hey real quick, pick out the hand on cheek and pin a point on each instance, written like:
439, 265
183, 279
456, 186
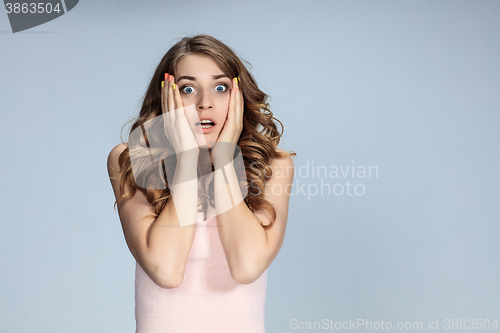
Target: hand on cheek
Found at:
233, 125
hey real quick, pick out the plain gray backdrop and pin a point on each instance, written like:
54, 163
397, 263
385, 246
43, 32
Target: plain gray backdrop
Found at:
409, 88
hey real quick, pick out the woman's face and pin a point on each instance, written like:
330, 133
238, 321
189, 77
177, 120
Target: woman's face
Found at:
203, 85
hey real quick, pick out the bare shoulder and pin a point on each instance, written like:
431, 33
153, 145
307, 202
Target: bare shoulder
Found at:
283, 167
114, 167
282, 161
113, 156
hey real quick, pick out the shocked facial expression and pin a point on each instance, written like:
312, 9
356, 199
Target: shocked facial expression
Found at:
202, 84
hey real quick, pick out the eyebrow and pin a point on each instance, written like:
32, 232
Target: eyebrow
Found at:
192, 78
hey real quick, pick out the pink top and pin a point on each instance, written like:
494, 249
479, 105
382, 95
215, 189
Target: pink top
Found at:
208, 300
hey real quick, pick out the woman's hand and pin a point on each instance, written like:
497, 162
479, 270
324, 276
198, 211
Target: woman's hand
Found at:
176, 125
233, 126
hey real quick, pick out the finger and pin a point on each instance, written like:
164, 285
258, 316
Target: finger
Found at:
179, 111
164, 107
170, 98
178, 98
239, 102
232, 100
163, 92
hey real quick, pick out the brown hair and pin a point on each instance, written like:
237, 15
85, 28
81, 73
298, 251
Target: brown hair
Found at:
258, 140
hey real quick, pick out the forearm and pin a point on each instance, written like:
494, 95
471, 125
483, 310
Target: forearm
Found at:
242, 235
171, 235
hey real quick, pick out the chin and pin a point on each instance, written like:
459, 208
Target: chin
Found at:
211, 137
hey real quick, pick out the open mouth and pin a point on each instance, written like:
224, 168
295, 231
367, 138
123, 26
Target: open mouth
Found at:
205, 123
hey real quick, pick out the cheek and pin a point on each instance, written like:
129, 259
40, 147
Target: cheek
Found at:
225, 102
222, 106
185, 100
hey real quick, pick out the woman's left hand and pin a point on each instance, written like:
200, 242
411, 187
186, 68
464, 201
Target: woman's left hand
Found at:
233, 125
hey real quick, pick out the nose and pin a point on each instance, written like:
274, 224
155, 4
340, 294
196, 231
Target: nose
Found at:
205, 102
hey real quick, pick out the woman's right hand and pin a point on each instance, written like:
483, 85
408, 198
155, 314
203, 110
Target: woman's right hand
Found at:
176, 125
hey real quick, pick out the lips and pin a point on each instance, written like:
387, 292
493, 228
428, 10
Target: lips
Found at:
205, 123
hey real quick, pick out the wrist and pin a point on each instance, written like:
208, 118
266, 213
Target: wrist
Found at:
223, 152
222, 159
190, 155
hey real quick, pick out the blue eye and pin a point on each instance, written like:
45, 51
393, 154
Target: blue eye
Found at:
186, 90
224, 87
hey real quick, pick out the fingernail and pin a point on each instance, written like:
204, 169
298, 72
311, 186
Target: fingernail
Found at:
239, 80
236, 80
169, 78
166, 76
174, 86
162, 84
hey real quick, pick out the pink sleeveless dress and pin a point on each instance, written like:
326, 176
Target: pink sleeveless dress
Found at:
208, 300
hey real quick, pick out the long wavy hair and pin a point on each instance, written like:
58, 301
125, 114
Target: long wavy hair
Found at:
258, 140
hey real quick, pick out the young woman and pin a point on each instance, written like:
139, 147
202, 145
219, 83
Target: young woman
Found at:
203, 247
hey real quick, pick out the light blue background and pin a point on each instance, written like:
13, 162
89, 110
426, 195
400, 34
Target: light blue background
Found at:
410, 87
